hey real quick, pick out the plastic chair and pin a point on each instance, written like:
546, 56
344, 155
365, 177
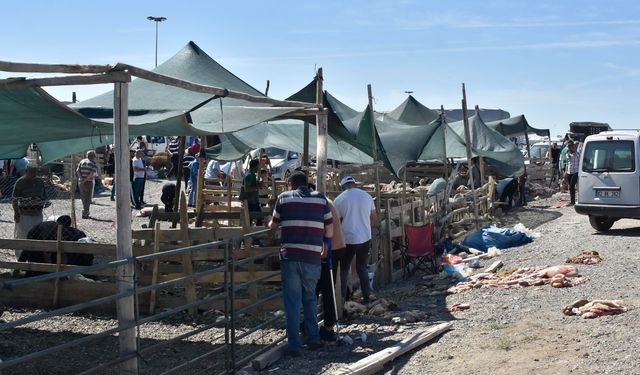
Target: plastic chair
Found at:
419, 250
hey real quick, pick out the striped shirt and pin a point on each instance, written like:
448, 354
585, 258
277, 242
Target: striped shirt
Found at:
86, 167
573, 161
303, 216
187, 159
174, 146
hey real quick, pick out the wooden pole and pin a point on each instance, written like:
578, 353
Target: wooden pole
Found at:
187, 263
443, 127
56, 285
156, 265
305, 147
375, 362
17, 83
125, 277
467, 140
526, 139
74, 184
374, 147
321, 138
480, 158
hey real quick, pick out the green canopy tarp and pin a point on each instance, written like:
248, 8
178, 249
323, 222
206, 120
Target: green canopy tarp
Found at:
207, 115
283, 134
516, 126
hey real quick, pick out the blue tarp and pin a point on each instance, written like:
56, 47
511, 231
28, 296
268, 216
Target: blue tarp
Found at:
490, 236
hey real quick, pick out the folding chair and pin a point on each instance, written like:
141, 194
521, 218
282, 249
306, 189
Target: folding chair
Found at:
418, 250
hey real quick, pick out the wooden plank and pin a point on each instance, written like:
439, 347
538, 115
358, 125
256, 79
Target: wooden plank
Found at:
154, 272
50, 267
375, 362
218, 277
56, 282
66, 246
270, 357
187, 265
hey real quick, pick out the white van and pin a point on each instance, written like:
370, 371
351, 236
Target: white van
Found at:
609, 178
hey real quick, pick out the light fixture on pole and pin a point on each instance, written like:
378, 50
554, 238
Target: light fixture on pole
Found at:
408, 92
157, 20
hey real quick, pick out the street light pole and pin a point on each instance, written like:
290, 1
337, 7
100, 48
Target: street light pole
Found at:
157, 20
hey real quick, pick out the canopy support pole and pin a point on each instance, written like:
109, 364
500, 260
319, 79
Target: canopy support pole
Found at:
321, 140
305, 153
374, 147
526, 139
467, 140
74, 184
202, 165
125, 274
443, 126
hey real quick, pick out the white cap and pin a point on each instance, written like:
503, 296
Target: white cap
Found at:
347, 180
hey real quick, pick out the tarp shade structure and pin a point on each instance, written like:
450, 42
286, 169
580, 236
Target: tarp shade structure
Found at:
413, 112
515, 126
154, 102
283, 134
31, 115
502, 154
487, 114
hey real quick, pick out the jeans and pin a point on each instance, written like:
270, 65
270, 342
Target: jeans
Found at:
299, 282
361, 252
138, 186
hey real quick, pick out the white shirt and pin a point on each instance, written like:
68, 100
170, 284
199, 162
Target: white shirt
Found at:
355, 206
138, 163
211, 167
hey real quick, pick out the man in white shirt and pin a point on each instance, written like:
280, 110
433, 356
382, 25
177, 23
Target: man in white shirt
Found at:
138, 178
358, 213
213, 170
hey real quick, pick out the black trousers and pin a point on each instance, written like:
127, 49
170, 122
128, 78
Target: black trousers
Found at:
573, 180
344, 258
324, 288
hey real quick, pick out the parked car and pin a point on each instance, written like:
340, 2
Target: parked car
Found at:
609, 178
283, 162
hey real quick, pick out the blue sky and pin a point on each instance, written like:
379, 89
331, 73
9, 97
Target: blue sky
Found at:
553, 61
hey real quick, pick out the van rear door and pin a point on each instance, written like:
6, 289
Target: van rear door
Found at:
608, 172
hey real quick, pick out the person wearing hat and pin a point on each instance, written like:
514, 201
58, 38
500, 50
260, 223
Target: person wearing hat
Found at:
86, 173
358, 213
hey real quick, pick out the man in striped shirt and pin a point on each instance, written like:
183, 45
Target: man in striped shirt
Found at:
173, 149
307, 224
86, 173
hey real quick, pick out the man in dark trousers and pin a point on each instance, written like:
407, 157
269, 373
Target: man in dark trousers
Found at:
307, 224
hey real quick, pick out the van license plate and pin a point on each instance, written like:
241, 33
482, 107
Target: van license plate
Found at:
607, 194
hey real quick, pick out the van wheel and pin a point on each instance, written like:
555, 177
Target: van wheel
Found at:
601, 223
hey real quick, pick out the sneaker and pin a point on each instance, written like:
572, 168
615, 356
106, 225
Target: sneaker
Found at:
328, 334
313, 345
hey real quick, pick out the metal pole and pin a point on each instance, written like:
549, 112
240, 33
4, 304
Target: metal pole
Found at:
374, 147
125, 273
305, 147
443, 127
156, 44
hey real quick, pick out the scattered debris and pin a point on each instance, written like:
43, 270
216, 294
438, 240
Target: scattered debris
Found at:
595, 308
459, 307
522, 277
585, 257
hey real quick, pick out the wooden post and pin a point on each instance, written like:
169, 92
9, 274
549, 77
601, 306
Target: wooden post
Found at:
125, 277
389, 253
526, 139
374, 147
56, 285
156, 264
480, 158
467, 140
187, 265
74, 184
179, 177
321, 138
443, 127
305, 147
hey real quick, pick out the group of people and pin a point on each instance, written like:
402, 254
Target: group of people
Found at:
565, 164
317, 234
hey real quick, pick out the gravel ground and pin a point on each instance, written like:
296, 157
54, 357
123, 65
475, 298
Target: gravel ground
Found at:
505, 331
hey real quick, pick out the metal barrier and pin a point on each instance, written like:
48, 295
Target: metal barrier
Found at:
227, 345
